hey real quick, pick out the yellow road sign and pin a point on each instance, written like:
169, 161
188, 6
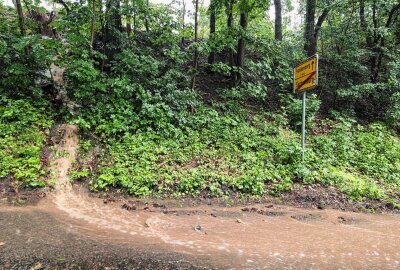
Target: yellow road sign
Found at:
305, 75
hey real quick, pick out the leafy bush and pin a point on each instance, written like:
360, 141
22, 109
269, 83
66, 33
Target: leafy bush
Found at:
21, 139
293, 108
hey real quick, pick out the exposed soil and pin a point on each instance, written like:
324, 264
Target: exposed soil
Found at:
70, 229
14, 193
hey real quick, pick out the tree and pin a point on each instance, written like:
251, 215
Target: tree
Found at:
312, 29
241, 45
20, 14
196, 39
183, 15
229, 12
146, 18
278, 19
374, 36
93, 26
212, 11
245, 8
66, 7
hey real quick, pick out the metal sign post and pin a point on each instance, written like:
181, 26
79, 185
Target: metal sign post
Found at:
305, 77
303, 126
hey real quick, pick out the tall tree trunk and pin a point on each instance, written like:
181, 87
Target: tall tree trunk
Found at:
134, 22
183, 23
146, 18
278, 19
117, 15
21, 24
241, 46
211, 57
311, 30
374, 48
310, 45
231, 56
379, 40
113, 23
363, 23
196, 39
93, 27
128, 16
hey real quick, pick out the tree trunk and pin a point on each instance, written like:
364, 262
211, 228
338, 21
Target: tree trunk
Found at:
196, 39
374, 46
363, 23
211, 57
113, 23
146, 19
231, 57
117, 15
311, 30
310, 45
93, 27
379, 40
128, 16
183, 23
134, 22
278, 19
21, 24
241, 46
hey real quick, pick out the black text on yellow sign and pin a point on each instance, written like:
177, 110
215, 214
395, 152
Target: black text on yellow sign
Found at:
305, 75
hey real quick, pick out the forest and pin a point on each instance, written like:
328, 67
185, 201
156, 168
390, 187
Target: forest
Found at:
190, 98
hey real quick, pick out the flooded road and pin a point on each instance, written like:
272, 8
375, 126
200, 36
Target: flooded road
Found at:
71, 228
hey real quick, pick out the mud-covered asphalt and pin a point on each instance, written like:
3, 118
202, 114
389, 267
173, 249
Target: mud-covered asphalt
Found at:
36, 240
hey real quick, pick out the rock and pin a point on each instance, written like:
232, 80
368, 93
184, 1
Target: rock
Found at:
321, 205
239, 221
157, 205
197, 228
128, 207
37, 266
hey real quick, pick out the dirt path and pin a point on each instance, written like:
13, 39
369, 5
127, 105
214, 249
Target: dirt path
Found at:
70, 229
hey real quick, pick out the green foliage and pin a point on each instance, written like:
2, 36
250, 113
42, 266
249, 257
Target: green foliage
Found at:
21, 139
246, 91
292, 107
225, 153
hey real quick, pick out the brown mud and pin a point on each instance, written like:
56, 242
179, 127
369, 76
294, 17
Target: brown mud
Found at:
70, 229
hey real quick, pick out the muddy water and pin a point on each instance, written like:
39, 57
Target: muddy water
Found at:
261, 237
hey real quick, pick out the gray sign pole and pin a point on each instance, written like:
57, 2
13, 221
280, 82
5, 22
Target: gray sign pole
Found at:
303, 126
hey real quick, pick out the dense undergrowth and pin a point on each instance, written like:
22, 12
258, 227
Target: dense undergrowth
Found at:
22, 135
221, 154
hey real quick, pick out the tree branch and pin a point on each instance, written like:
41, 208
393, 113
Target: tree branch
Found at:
392, 13
61, 2
321, 20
